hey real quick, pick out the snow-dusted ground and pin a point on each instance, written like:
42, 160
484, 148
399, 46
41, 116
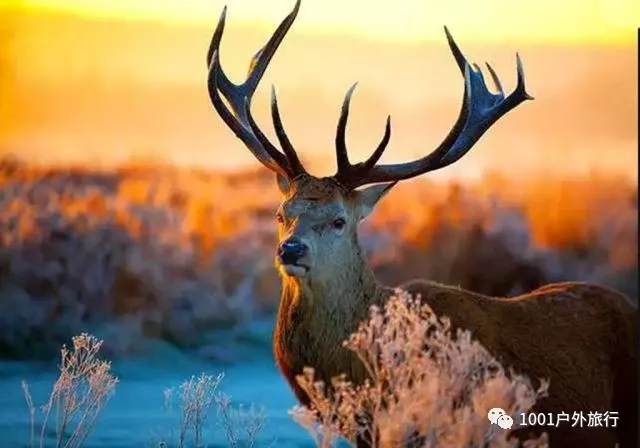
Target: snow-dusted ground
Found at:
135, 416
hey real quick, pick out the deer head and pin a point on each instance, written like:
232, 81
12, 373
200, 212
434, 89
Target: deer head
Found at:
318, 217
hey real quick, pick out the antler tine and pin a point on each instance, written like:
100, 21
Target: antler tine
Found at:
373, 159
461, 61
239, 119
267, 154
285, 143
342, 156
480, 110
348, 174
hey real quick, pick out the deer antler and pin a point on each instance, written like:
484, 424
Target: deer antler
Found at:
480, 109
239, 119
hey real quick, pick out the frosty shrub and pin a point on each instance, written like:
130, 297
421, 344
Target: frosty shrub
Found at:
85, 385
198, 398
82, 390
426, 388
146, 252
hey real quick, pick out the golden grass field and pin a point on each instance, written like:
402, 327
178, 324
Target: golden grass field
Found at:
172, 252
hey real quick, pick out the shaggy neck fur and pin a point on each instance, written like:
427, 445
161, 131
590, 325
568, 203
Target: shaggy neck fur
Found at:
342, 294
317, 314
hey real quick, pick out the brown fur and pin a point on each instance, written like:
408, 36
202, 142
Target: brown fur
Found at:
581, 337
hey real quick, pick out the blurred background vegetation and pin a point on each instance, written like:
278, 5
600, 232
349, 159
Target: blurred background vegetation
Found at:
145, 252
128, 209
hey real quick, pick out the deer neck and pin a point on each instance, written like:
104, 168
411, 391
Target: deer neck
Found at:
343, 295
316, 315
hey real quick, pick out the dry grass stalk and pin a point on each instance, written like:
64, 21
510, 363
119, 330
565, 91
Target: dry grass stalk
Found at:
197, 397
427, 388
82, 390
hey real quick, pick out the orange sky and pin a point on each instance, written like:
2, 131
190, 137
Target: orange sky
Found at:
102, 85
405, 20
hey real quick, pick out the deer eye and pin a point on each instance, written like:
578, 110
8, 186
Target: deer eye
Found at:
338, 223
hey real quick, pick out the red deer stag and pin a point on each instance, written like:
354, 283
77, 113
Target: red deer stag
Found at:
580, 336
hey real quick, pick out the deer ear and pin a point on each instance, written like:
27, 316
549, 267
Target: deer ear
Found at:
366, 199
283, 184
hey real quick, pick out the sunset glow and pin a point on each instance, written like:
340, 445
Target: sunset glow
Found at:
403, 20
105, 81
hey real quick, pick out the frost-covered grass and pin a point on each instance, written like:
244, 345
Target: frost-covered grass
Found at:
85, 385
83, 388
427, 388
155, 252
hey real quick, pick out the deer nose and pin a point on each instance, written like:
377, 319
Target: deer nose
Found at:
291, 250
